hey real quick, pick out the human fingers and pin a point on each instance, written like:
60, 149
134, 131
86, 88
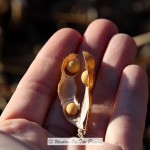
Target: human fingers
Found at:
38, 87
95, 40
127, 123
120, 52
8, 142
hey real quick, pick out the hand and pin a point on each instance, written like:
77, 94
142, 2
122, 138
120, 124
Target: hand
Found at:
119, 98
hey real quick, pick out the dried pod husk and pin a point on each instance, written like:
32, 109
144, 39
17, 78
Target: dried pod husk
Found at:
67, 89
87, 101
67, 92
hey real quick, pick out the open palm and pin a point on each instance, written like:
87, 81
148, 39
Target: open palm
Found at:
119, 98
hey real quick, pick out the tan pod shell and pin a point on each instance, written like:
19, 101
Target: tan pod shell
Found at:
67, 89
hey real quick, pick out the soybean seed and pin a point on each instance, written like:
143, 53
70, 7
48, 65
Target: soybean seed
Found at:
72, 109
84, 77
73, 66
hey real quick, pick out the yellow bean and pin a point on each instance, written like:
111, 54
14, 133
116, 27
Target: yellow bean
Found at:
73, 66
84, 77
72, 109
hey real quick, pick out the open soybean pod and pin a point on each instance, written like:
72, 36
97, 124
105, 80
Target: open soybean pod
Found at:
87, 77
67, 88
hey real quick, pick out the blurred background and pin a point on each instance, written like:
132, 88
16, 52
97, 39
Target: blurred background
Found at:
25, 25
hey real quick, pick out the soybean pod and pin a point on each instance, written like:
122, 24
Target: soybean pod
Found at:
75, 113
